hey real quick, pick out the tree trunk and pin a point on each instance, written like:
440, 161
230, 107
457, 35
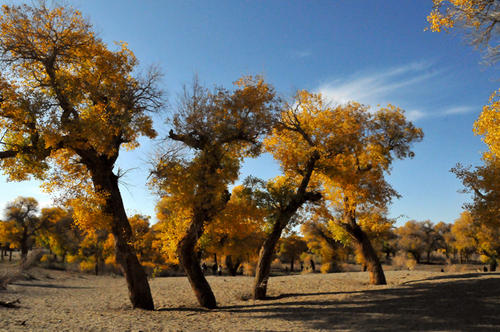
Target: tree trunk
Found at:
191, 264
267, 250
291, 264
264, 263
233, 268
137, 282
96, 267
364, 246
493, 265
24, 245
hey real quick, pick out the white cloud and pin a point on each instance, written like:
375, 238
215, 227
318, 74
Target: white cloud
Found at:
415, 115
374, 88
395, 85
460, 110
299, 54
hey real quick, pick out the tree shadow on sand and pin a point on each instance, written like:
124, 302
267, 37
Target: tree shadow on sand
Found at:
48, 285
452, 276
457, 304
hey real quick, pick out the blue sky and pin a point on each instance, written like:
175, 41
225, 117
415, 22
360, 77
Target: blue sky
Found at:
370, 51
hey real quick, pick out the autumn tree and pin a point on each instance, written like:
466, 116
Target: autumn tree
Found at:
473, 236
323, 243
445, 242
60, 233
23, 214
237, 232
484, 210
354, 183
217, 129
483, 183
94, 251
144, 239
431, 238
411, 239
290, 249
68, 104
488, 125
281, 198
479, 18
302, 142
7, 232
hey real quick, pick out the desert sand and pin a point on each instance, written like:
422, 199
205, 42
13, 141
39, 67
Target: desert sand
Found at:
412, 300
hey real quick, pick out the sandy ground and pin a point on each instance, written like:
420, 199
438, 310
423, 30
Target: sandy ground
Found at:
412, 301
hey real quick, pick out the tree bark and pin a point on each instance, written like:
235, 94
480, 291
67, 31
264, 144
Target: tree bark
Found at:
291, 264
191, 263
137, 282
377, 276
264, 263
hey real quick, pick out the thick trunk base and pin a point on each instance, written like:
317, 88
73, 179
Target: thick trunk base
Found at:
199, 283
137, 281
377, 276
264, 264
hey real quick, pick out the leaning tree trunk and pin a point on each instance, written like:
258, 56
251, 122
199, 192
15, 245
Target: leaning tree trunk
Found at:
267, 249
137, 281
264, 264
364, 246
191, 264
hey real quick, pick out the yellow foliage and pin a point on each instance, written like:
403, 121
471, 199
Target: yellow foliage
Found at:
237, 230
173, 220
446, 13
68, 104
488, 125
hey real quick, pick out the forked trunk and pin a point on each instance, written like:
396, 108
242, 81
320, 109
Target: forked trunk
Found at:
137, 281
264, 264
191, 264
377, 276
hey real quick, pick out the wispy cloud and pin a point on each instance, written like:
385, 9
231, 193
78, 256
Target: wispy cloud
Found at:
375, 87
459, 110
299, 54
399, 85
414, 115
